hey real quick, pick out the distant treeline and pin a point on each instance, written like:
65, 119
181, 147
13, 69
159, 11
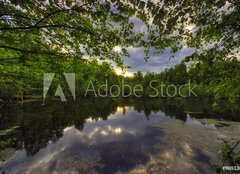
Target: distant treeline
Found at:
218, 79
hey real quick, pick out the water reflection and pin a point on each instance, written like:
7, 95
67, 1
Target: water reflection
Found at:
110, 136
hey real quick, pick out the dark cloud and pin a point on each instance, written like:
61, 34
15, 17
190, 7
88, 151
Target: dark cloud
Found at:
156, 63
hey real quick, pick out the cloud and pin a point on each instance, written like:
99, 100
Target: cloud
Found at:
156, 63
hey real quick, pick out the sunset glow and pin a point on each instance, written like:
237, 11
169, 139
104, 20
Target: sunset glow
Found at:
123, 72
117, 49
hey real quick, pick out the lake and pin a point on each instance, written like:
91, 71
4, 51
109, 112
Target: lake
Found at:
108, 136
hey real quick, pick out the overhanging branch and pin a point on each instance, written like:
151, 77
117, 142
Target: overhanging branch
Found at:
27, 51
62, 10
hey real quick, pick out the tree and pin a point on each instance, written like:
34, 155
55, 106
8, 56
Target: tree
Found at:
98, 26
138, 76
50, 35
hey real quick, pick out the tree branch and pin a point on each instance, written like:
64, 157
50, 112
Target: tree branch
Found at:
27, 51
47, 26
13, 58
62, 10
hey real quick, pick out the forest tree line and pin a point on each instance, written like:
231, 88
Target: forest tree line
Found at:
218, 79
53, 36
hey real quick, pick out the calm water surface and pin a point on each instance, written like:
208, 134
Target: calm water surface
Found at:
111, 136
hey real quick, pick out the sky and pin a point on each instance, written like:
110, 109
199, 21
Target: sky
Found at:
156, 63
